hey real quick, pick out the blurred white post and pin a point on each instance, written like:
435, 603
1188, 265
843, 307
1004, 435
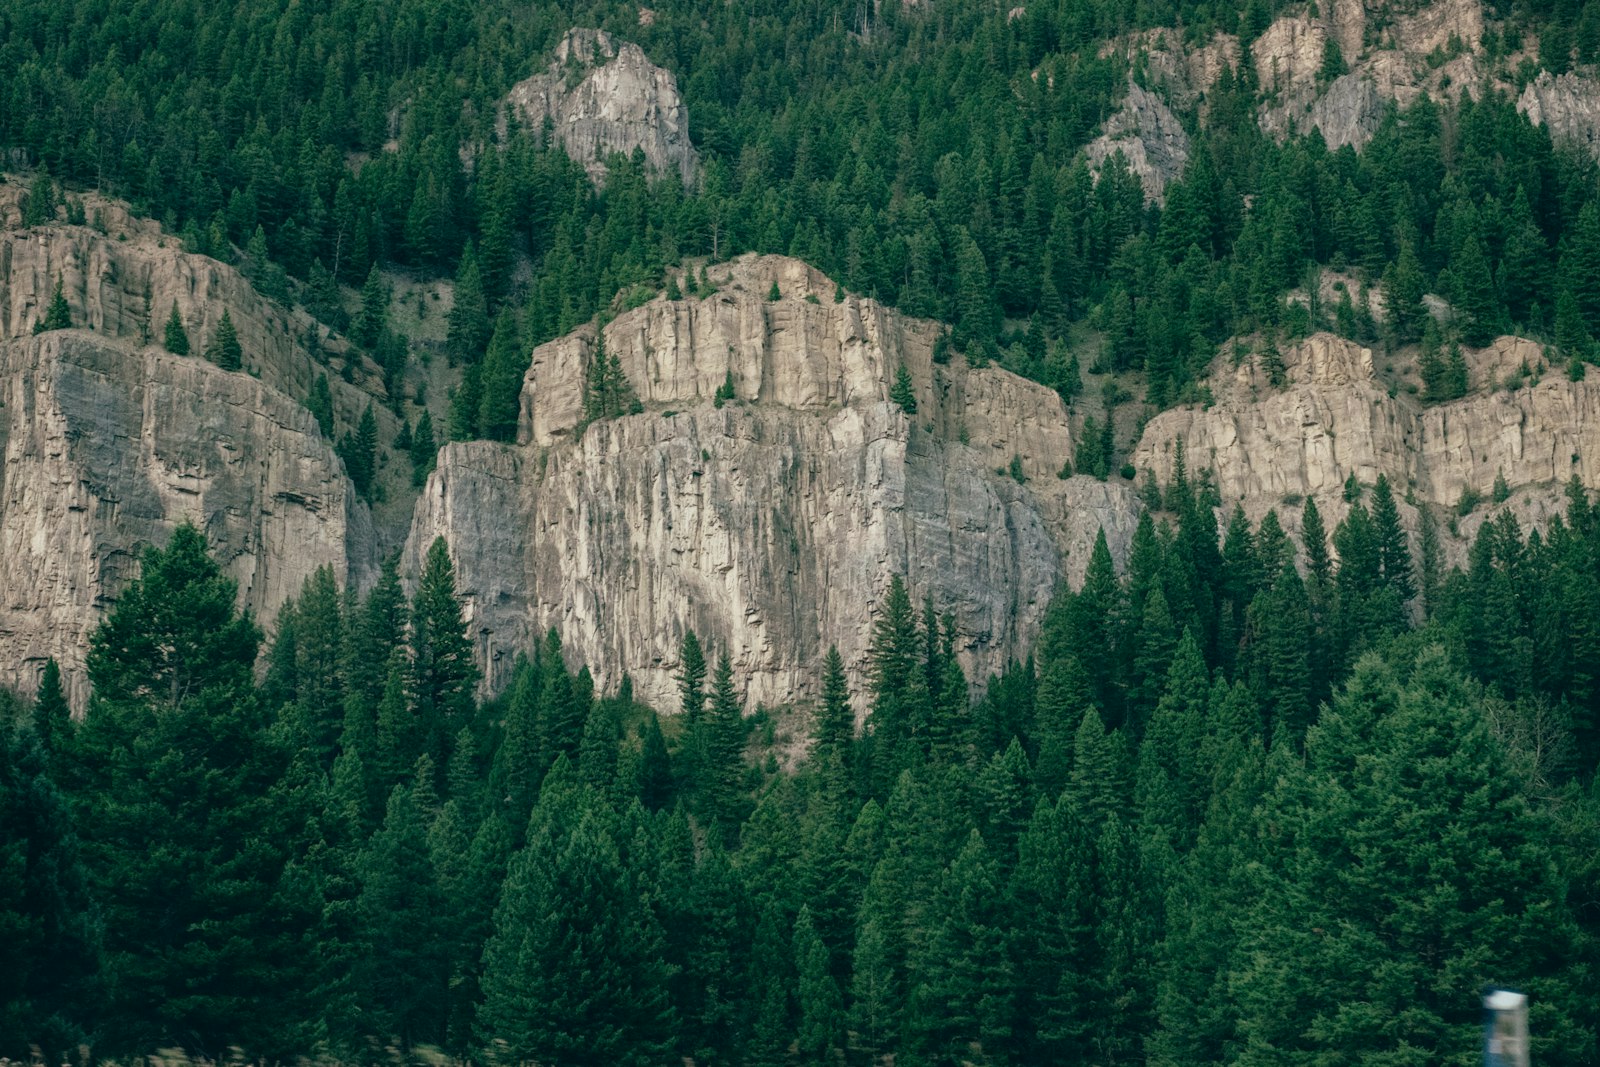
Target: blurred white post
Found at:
1505, 1029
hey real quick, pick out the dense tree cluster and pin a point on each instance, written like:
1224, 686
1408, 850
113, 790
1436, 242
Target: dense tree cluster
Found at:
1245, 805
927, 155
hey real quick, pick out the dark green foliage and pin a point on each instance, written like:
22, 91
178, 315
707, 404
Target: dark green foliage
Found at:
573, 972
902, 392
470, 329
224, 349
175, 339
424, 449
501, 381
320, 403
58, 316
39, 203
47, 918
360, 452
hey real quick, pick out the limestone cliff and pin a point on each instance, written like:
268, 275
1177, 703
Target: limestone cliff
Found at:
770, 524
108, 446
109, 441
1568, 106
601, 95
1271, 447
1391, 55
1150, 138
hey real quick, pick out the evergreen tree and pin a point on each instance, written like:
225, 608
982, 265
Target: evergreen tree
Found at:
224, 349
424, 449
174, 767
443, 672
176, 339
573, 973
1367, 898
48, 987
503, 368
58, 316
403, 968
470, 328
320, 404
902, 392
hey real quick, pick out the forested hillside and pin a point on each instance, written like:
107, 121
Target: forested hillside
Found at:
1267, 790
928, 154
1237, 811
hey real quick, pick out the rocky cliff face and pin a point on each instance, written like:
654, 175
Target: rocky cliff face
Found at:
1271, 447
108, 447
109, 442
1568, 106
602, 95
772, 524
1149, 136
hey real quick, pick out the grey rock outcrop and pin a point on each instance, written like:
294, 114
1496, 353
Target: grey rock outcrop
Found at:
110, 442
108, 447
1270, 448
770, 525
1396, 57
1568, 106
1150, 138
602, 95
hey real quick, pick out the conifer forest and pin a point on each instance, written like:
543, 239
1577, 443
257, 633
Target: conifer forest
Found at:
1262, 787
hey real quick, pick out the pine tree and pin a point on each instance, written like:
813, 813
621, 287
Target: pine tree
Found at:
176, 339
52, 717
443, 673
466, 404
58, 316
503, 368
48, 990
175, 761
224, 349
574, 971
902, 392
1394, 553
836, 723
821, 1029
403, 966
320, 404
373, 316
1333, 945
722, 749
1476, 302
424, 449
469, 328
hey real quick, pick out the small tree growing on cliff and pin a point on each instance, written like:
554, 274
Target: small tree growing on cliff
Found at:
176, 339
902, 393
224, 349
58, 316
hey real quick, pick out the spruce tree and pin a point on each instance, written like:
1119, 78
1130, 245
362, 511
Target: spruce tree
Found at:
176, 760
501, 386
902, 392
574, 971
424, 449
470, 327
224, 349
175, 339
403, 968
57, 316
320, 404
443, 673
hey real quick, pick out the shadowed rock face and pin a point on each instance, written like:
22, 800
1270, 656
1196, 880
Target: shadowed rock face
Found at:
1568, 106
107, 448
1150, 137
770, 525
602, 95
